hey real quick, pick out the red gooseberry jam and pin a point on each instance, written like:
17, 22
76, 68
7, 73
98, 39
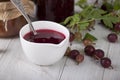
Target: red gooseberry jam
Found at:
45, 36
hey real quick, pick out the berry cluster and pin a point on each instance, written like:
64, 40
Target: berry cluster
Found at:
98, 54
75, 55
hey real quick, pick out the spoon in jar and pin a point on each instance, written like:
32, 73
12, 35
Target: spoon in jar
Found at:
20, 7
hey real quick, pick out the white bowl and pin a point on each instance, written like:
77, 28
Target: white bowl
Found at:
44, 53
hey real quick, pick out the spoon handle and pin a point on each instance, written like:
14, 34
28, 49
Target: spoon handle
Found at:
19, 6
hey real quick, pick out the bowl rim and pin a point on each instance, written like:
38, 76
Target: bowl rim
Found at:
50, 44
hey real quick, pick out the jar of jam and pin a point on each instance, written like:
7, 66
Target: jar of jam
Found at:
54, 10
11, 20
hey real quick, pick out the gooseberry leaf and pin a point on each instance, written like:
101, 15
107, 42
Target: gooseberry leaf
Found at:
90, 12
109, 20
116, 5
82, 3
67, 20
83, 26
89, 37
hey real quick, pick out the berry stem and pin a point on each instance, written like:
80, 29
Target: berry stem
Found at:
67, 51
96, 57
111, 67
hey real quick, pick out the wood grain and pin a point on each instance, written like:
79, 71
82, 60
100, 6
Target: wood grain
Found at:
15, 66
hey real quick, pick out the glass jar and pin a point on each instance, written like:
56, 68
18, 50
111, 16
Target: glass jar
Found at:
11, 20
54, 10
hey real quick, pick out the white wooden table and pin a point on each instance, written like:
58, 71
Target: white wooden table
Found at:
15, 66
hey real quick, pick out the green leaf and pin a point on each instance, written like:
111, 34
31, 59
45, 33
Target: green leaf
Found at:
74, 19
97, 13
83, 26
109, 20
116, 5
67, 20
82, 3
91, 12
71, 20
90, 37
108, 23
85, 12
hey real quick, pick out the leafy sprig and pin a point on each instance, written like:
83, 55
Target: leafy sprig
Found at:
113, 13
85, 19
82, 20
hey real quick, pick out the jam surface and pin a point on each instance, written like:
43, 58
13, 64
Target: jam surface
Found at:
45, 36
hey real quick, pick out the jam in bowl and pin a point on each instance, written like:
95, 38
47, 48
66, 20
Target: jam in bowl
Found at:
45, 36
48, 46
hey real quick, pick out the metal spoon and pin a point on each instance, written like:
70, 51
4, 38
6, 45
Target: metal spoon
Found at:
19, 6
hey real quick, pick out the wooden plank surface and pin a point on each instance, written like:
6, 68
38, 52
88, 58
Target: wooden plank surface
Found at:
15, 66
90, 69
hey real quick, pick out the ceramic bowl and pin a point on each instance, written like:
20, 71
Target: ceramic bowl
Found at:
44, 53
